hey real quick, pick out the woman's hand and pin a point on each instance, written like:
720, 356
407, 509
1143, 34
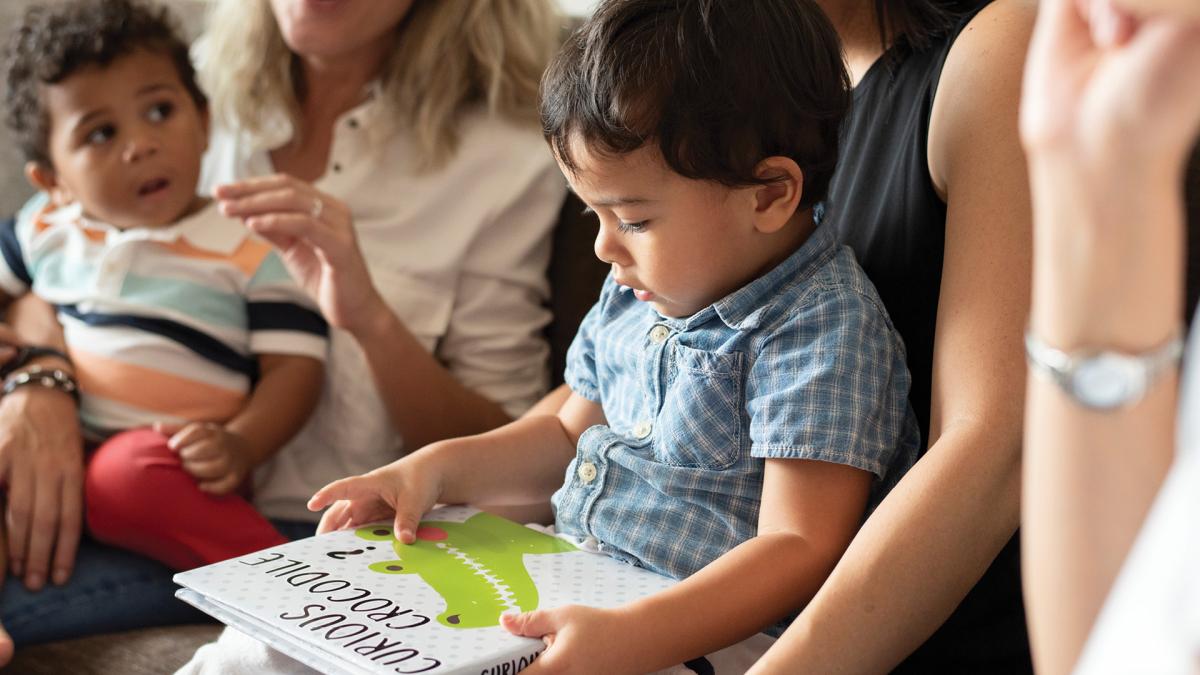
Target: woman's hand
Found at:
405, 490
1094, 73
41, 467
314, 233
1109, 114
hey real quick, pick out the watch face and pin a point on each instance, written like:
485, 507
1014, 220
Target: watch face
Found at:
1107, 380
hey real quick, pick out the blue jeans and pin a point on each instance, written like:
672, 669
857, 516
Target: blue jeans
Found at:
111, 590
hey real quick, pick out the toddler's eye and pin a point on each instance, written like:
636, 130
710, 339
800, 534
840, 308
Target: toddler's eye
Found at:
639, 226
101, 135
160, 111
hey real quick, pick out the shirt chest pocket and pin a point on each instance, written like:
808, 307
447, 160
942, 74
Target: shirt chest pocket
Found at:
700, 422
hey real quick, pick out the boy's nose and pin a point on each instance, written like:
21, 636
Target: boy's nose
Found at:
608, 246
140, 147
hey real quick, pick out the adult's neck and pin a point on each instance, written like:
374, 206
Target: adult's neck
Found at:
857, 26
336, 85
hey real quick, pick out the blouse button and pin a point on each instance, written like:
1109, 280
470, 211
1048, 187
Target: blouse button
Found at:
586, 472
659, 333
337, 168
353, 123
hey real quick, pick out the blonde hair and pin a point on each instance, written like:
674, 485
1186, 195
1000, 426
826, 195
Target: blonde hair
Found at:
448, 54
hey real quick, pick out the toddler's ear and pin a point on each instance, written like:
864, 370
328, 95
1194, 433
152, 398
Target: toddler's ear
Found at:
776, 201
43, 178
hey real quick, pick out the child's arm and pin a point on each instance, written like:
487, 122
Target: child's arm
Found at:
221, 456
520, 463
810, 511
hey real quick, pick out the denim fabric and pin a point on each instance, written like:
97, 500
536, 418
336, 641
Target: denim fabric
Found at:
802, 363
111, 590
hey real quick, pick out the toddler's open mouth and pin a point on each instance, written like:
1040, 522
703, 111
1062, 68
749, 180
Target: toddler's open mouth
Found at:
152, 187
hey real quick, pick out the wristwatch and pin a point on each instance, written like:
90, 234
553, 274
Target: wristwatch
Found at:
1101, 379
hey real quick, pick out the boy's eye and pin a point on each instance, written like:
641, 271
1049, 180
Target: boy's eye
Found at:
101, 135
160, 111
639, 226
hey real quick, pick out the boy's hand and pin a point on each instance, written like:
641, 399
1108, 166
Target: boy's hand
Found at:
406, 488
217, 458
579, 640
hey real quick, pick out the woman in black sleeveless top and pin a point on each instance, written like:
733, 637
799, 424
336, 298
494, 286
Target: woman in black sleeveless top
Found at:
931, 194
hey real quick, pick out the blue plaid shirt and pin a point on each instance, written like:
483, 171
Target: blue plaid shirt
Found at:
802, 363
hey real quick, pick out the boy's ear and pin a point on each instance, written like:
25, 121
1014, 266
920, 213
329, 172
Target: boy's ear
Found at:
776, 201
43, 178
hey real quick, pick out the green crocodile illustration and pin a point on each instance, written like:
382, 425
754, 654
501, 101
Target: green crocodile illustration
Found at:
476, 566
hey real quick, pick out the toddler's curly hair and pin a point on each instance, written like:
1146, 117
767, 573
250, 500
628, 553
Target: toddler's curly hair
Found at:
56, 40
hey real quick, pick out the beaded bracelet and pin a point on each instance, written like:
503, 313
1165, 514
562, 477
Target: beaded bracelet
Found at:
42, 377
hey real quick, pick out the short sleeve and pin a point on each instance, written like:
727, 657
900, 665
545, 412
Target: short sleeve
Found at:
282, 318
16, 235
831, 385
14, 273
580, 373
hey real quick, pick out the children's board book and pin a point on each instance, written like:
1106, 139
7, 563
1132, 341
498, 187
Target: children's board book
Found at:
357, 601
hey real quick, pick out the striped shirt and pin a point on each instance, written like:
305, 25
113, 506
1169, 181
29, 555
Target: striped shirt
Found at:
163, 324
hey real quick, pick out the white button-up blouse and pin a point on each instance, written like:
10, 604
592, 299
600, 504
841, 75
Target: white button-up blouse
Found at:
459, 252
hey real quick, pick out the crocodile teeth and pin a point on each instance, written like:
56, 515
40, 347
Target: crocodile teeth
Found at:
507, 598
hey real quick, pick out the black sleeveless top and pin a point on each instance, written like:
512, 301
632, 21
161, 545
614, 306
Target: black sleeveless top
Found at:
883, 205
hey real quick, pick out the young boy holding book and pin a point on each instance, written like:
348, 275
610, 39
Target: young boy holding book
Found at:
738, 394
195, 354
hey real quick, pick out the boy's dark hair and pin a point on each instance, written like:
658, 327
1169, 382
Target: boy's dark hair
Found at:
719, 85
52, 42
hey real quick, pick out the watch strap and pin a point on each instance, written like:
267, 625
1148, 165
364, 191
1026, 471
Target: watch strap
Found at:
1060, 366
27, 353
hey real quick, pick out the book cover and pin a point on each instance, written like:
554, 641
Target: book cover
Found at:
357, 601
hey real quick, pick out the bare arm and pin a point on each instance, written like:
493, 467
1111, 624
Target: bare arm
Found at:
1108, 124
41, 459
425, 401
944, 523
287, 391
518, 464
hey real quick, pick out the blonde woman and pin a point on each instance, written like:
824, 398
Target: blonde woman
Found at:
389, 148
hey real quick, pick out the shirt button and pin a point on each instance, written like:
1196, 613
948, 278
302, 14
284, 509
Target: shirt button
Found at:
337, 168
642, 429
353, 123
586, 472
659, 333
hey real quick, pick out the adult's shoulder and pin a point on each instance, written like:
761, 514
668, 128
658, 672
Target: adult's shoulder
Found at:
980, 85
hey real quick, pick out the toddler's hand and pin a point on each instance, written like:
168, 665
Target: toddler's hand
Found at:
217, 458
579, 640
404, 488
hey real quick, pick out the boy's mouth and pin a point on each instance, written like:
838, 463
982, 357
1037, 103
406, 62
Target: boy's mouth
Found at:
153, 187
640, 294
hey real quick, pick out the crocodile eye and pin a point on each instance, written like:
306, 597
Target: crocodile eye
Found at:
394, 568
453, 618
381, 533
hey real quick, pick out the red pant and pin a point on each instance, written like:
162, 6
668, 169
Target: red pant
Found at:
139, 498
